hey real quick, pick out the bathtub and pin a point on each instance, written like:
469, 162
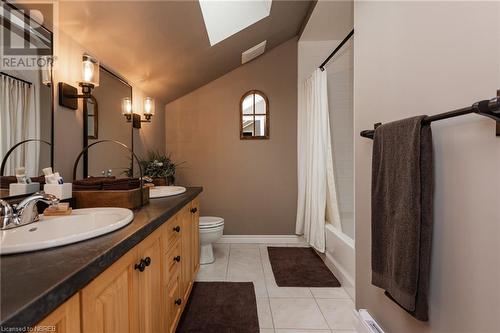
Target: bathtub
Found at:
340, 257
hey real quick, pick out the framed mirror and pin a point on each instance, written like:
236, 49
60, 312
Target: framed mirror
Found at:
254, 116
104, 121
26, 95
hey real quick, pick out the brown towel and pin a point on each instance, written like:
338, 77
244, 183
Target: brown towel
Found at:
402, 187
39, 179
89, 184
121, 184
5, 181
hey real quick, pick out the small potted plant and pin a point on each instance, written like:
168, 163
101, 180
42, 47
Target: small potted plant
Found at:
160, 168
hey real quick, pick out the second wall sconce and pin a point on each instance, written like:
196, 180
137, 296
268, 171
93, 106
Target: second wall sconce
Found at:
148, 107
68, 95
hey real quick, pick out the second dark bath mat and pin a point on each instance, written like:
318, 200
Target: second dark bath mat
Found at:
300, 267
220, 307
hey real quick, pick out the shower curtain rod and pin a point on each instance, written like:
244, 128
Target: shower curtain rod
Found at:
16, 78
323, 64
488, 108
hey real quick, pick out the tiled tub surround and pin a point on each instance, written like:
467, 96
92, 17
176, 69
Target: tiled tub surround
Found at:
281, 310
34, 284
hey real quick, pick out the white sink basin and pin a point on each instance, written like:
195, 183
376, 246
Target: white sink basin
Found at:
165, 191
53, 231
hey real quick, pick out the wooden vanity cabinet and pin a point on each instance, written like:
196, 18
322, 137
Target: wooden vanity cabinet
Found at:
186, 267
145, 291
65, 319
149, 284
190, 244
195, 245
110, 303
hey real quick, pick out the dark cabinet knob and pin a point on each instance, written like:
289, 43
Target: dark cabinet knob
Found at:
178, 258
194, 210
140, 266
178, 301
177, 229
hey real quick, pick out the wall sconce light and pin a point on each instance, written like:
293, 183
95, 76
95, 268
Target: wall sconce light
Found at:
135, 118
68, 95
127, 108
149, 108
90, 74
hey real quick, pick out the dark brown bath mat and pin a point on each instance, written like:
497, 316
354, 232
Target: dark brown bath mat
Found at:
220, 307
300, 267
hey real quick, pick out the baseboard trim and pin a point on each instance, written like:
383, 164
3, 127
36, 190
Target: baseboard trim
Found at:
345, 279
262, 239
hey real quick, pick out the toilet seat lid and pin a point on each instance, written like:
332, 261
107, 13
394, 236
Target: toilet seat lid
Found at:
210, 222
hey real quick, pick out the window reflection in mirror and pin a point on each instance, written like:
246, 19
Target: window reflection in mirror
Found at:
254, 116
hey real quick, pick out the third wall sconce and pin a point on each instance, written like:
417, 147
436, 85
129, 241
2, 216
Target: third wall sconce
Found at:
148, 107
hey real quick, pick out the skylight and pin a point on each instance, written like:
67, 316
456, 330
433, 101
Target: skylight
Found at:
225, 18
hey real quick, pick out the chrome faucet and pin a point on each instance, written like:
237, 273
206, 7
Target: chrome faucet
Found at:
25, 212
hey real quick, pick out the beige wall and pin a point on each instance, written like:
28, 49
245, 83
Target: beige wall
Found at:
425, 58
151, 136
252, 184
68, 123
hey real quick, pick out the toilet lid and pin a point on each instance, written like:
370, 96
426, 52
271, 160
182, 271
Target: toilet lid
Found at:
210, 222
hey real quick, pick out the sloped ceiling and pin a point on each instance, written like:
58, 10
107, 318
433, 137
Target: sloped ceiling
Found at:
330, 20
163, 46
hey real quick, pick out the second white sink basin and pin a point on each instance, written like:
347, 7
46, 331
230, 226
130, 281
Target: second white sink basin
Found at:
165, 191
52, 231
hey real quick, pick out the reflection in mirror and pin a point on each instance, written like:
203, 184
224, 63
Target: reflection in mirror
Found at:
92, 118
106, 122
25, 101
254, 116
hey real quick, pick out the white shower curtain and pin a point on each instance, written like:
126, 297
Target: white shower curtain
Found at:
19, 120
317, 197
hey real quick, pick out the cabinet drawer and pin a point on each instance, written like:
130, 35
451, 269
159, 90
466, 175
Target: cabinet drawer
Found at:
172, 232
173, 260
174, 302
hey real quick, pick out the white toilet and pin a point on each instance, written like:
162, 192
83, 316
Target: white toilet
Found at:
211, 229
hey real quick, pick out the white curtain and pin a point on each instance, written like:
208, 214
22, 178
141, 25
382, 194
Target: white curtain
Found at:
19, 120
317, 197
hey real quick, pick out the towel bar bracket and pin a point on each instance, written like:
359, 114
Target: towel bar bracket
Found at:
498, 122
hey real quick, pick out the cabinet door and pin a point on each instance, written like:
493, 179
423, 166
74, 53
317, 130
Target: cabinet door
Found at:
64, 319
195, 247
110, 301
173, 302
186, 263
149, 284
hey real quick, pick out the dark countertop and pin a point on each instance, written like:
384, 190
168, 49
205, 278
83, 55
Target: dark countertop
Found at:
33, 284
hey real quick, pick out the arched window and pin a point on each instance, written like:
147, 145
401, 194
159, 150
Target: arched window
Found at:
254, 116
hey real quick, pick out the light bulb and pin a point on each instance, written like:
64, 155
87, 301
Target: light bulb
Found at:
126, 106
148, 106
88, 71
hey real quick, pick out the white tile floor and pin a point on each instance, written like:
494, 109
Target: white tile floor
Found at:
281, 310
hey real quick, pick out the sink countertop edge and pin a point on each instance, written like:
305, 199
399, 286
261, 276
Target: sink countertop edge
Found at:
37, 308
